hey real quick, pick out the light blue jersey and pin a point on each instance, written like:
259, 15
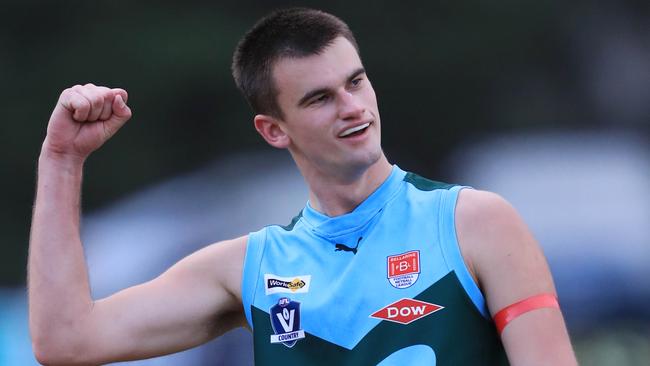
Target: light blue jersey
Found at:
382, 285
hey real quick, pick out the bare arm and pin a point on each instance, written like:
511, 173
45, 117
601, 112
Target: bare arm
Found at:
194, 301
509, 266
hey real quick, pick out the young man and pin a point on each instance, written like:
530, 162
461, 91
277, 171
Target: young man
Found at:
381, 267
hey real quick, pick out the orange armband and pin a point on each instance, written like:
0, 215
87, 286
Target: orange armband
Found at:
510, 312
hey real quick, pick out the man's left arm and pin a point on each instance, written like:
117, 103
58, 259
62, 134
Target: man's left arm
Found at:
509, 267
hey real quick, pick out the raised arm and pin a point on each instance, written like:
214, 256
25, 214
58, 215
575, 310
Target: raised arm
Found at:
195, 300
510, 267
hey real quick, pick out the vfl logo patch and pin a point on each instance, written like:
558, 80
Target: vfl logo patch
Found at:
406, 311
285, 320
291, 285
404, 269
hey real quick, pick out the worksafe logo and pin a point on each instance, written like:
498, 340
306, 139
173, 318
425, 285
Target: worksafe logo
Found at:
292, 285
406, 311
404, 269
285, 320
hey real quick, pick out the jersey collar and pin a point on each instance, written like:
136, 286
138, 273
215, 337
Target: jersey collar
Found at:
361, 216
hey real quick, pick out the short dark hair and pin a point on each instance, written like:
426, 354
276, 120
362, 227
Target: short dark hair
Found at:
294, 33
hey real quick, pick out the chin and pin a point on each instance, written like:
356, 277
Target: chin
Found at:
365, 160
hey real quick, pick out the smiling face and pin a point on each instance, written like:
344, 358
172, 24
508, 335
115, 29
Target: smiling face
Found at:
330, 118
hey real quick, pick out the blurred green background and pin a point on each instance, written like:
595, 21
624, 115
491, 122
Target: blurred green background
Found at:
445, 72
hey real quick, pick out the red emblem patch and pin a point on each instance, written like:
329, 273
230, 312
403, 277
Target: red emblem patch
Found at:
404, 269
406, 311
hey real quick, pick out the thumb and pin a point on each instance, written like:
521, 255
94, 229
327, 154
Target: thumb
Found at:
120, 109
121, 114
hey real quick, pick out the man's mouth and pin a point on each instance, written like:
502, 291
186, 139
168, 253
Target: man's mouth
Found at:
354, 131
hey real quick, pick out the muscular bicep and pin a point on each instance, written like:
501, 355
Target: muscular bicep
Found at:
509, 267
194, 301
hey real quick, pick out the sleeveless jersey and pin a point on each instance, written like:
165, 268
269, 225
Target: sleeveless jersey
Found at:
382, 285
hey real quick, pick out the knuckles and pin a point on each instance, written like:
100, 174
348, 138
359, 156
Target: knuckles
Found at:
93, 96
91, 103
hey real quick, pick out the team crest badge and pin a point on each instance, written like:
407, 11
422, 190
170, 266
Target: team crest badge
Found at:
404, 269
285, 320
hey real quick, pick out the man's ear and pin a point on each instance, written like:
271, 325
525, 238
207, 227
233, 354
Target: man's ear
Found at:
271, 130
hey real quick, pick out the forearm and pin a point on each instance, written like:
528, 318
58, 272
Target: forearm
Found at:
59, 293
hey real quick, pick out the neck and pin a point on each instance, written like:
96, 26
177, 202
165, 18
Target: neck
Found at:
337, 195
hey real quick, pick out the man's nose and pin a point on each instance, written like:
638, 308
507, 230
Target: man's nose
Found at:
350, 106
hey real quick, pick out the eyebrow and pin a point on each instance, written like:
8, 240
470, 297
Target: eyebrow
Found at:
310, 94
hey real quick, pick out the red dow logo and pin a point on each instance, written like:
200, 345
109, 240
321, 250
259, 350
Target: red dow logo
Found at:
406, 311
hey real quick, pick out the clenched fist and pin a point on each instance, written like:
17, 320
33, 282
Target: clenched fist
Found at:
84, 118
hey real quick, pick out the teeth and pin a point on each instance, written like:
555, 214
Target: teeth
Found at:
354, 129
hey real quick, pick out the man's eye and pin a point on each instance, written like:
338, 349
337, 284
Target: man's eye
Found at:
356, 82
319, 99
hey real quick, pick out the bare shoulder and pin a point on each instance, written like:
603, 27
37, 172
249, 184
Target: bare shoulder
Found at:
510, 266
499, 249
482, 211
